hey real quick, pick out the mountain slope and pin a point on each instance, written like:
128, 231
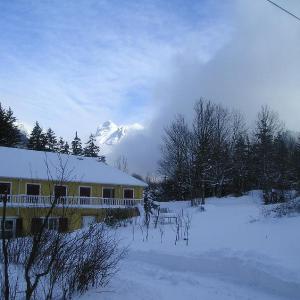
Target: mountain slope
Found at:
109, 134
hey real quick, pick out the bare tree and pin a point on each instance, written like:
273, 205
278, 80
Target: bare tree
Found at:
176, 159
5, 242
121, 163
57, 264
220, 149
240, 154
267, 127
203, 129
187, 222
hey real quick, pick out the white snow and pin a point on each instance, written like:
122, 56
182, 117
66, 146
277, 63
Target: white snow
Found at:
233, 253
109, 134
29, 164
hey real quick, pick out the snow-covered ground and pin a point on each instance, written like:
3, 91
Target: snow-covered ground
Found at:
233, 253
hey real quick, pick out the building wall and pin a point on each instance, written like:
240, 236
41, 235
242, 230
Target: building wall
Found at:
19, 187
74, 215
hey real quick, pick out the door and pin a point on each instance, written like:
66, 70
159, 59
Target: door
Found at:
88, 220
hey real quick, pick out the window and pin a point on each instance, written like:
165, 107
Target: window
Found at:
32, 189
108, 193
85, 191
52, 224
5, 188
128, 193
9, 228
60, 191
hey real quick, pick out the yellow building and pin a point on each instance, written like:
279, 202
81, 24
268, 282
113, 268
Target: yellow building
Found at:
78, 190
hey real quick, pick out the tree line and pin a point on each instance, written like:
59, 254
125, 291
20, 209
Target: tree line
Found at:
218, 155
12, 136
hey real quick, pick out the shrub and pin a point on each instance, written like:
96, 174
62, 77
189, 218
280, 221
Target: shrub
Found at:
69, 264
120, 216
283, 209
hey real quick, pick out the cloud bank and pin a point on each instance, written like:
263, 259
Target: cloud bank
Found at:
74, 64
258, 65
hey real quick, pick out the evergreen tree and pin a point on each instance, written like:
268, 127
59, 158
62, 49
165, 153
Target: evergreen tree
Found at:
61, 144
66, 149
281, 160
91, 149
63, 147
9, 133
37, 140
296, 161
76, 146
51, 141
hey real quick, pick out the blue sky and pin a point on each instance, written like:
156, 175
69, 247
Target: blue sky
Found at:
64, 61
74, 64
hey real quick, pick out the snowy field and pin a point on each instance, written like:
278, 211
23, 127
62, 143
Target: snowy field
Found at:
233, 253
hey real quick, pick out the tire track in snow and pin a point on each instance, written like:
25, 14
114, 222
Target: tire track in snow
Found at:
233, 269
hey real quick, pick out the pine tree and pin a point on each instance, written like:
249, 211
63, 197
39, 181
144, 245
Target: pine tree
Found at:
91, 149
66, 149
51, 141
76, 146
61, 144
10, 135
296, 163
37, 140
63, 147
284, 167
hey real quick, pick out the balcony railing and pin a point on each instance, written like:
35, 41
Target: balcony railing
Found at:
69, 201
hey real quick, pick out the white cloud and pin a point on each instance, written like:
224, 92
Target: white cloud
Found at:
259, 65
73, 65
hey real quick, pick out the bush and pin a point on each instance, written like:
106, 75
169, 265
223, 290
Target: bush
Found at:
120, 216
277, 196
283, 209
69, 264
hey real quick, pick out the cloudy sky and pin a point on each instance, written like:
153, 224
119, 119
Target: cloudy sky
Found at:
74, 64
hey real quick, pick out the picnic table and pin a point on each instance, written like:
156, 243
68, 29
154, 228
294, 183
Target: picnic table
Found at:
165, 215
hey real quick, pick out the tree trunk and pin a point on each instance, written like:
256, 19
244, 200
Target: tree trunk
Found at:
4, 250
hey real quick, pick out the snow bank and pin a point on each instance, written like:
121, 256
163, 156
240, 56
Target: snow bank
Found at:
233, 253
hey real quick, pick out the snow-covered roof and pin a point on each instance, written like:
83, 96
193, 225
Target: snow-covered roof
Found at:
29, 164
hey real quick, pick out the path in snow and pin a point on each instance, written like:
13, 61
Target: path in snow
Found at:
152, 276
267, 279
239, 255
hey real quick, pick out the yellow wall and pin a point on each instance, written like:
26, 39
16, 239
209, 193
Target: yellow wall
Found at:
74, 215
19, 187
